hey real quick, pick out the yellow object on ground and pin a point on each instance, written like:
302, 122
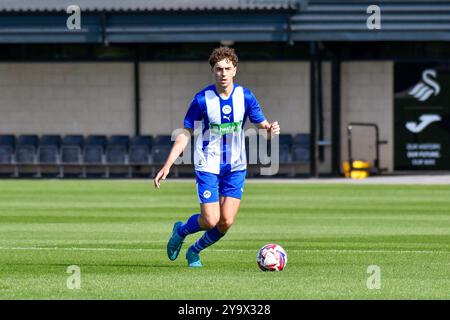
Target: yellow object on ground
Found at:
360, 169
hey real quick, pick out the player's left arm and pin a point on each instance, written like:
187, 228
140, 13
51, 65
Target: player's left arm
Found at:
272, 128
257, 117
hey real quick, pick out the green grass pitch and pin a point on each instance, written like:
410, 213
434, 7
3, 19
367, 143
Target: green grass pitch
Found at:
116, 232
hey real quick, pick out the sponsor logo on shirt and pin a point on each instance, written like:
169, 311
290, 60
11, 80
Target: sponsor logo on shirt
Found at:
224, 128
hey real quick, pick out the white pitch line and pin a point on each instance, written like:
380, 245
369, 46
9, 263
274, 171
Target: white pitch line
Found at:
222, 250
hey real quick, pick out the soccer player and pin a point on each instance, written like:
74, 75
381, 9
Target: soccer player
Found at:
218, 113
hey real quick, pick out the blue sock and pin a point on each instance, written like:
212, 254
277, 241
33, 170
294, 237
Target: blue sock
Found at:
208, 238
190, 226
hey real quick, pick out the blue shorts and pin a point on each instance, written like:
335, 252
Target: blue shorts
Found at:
211, 186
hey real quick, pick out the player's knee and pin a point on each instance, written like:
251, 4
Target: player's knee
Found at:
225, 224
208, 222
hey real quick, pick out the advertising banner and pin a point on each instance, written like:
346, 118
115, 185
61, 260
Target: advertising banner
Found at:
422, 116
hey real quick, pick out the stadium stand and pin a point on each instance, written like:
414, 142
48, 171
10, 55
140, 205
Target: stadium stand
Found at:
117, 149
48, 151
7, 146
285, 148
71, 149
26, 149
116, 155
94, 156
94, 149
121, 155
140, 148
139, 155
48, 155
8, 140
161, 148
25, 155
72, 155
300, 148
6, 154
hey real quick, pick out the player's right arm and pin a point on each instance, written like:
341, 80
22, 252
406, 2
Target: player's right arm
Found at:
178, 147
193, 114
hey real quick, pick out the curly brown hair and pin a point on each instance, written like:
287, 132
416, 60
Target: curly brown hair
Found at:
222, 53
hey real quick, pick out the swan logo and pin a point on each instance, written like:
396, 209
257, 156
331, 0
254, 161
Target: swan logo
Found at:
425, 121
427, 87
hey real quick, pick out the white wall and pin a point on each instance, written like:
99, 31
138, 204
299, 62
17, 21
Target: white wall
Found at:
89, 98
282, 89
66, 98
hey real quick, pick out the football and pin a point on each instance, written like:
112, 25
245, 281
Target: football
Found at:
271, 257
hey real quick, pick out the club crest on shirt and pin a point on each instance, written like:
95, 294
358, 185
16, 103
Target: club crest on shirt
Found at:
226, 109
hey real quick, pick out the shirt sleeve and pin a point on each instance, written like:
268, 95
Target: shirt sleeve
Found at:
193, 114
255, 113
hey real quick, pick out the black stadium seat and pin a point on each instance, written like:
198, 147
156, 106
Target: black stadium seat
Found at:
96, 140
163, 139
26, 149
300, 154
140, 149
285, 148
142, 141
117, 149
116, 154
50, 140
73, 140
285, 152
285, 139
161, 148
160, 153
71, 154
93, 154
25, 154
28, 140
300, 147
8, 140
48, 155
119, 140
94, 149
7, 146
301, 139
71, 149
48, 151
139, 155
6, 154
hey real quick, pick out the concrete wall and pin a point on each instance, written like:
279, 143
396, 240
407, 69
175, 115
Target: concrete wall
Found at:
367, 96
66, 98
166, 92
282, 89
89, 98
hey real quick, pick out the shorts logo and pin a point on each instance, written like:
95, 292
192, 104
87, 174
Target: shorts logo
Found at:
226, 109
207, 194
